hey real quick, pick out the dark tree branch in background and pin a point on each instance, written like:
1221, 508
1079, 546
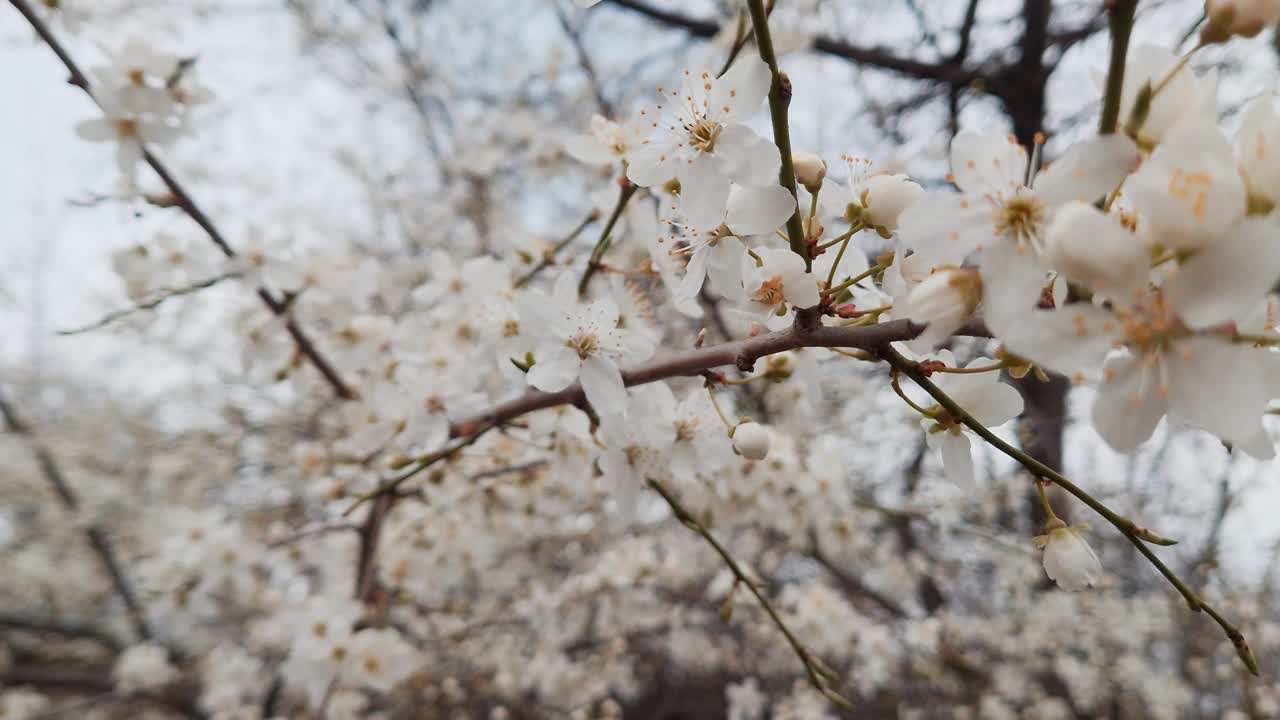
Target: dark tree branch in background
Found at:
588, 67
184, 200
32, 623
98, 539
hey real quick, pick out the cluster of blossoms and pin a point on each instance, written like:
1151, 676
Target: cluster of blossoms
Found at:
1141, 262
146, 97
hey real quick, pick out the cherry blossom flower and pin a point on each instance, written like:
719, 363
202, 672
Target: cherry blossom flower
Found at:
638, 444
379, 658
1068, 559
1188, 193
608, 141
1176, 352
996, 211
129, 128
717, 251
983, 396
582, 342
705, 144
143, 667
777, 281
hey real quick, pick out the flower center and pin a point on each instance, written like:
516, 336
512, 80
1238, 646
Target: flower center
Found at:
126, 127
703, 134
769, 292
585, 344
1019, 219
686, 429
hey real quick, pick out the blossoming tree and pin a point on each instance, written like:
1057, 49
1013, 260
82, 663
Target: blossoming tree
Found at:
729, 446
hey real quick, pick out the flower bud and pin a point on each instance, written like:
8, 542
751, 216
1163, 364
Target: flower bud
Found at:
1090, 248
810, 170
1227, 18
885, 196
1068, 559
944, 301
751, 440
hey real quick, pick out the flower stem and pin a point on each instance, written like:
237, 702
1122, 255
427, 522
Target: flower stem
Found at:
1120, 22
819, 675
627, 189
779, 99
1137, 536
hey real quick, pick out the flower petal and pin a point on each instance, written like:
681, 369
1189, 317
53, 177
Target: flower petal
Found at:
1129, 404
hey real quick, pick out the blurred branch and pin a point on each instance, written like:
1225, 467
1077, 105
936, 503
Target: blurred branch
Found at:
153, 303
98, 539
588, 67
32, 624
182, 199
820, 676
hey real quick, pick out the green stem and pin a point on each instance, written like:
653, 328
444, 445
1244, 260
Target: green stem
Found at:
1120, 22
606, 235
818, 674
550, 258
779, 99
1137, 536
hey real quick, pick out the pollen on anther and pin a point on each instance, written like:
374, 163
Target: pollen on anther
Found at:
971, 164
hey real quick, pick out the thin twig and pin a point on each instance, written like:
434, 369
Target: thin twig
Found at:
779, 99
549, 258
1139, 537
626, 189
185, 201
98, 539
819, 675
155, 302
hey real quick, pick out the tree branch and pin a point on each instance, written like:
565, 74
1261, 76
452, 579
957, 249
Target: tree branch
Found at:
187, 203
779, 99
98, 539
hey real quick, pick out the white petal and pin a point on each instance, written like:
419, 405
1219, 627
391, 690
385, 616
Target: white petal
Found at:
1070, 562
945, 227
726, 265
602, 383
1218, 386
704, 193
1228, 278
759, 210
1072, 339
1129, 403
957, 460
1088, 170
746, 157
586, 149
653, 163
741, 90
987, 163
556, 368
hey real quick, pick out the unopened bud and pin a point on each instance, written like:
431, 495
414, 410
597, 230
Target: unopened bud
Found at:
810, 170
885, 197
944, 301
1246, 18
751, 440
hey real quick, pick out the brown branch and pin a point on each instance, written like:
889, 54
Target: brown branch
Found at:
741, 354
23, 622
98, 539
183, 199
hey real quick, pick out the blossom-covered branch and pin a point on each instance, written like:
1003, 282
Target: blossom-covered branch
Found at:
185, 201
